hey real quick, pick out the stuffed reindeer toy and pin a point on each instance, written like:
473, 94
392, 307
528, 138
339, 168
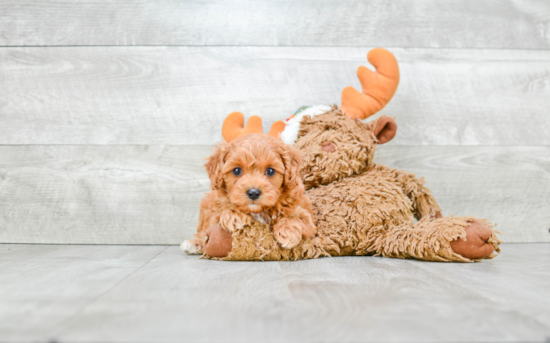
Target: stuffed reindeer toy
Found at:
357, 207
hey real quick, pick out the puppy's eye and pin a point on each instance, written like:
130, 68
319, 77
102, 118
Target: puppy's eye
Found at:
237, 171
270, 172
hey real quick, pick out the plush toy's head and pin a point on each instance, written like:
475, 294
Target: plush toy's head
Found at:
334, 142
334, 146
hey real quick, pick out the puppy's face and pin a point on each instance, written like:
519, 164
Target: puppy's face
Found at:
253, 178
254, 171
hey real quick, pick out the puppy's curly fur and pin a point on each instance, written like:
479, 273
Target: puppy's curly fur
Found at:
242, 165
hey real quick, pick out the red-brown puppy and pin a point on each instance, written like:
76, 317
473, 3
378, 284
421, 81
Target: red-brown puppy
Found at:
255, 177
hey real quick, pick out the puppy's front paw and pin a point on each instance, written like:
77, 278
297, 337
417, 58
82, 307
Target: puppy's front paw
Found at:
233, 220
288, 232
192, 246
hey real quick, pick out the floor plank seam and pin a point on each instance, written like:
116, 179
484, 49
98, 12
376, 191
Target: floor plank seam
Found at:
75, 315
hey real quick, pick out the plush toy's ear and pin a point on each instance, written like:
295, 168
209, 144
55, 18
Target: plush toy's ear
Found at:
214, 166
385, 129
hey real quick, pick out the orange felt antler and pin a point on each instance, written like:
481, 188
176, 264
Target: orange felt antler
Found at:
378, 87
233, 126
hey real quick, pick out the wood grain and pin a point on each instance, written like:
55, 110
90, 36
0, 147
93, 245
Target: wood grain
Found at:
511, 264
424, 23
150, 194
126, 294
44, 286
180, 95
100, 194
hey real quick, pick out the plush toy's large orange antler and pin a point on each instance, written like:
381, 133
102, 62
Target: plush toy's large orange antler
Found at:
378, 87
233, 126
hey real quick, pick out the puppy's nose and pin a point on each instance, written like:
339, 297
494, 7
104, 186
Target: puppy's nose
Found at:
253, 193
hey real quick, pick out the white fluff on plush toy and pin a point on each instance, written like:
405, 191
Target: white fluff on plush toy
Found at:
290, 133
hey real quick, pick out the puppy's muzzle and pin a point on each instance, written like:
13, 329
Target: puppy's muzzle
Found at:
253, 193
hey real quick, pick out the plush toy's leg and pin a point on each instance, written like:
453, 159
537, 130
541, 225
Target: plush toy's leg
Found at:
424, 204
480, 242
218, 242
257, 242
447, 239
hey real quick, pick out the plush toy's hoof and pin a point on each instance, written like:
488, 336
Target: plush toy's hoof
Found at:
219, 243
475, 245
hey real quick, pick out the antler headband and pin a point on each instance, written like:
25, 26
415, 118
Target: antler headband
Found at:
233, 126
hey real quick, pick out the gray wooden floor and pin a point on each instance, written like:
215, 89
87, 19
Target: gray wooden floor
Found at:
117, 293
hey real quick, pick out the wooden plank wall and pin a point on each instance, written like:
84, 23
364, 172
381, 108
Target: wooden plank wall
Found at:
108, 108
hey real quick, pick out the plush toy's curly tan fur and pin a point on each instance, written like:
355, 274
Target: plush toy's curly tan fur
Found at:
362, 208
425, 241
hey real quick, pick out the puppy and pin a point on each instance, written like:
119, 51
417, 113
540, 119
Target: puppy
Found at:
255, 177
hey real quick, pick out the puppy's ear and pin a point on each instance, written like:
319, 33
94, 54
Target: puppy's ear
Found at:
292, 159
214, 166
